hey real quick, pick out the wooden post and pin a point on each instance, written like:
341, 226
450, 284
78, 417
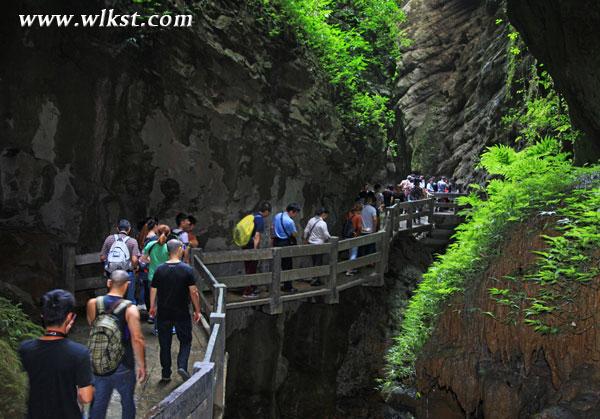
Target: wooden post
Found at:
331, 281
69, 267
275, 306
387, 241
409, 211
218, 320
430, 211
380, 267
393, 222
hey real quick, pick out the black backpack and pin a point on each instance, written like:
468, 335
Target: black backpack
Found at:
348, 231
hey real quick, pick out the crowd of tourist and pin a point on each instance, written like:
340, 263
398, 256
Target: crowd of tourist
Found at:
152, 273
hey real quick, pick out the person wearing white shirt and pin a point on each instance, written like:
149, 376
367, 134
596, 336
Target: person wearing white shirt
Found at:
316, 232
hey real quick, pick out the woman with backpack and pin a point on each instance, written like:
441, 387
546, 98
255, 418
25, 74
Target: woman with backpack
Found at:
352, 228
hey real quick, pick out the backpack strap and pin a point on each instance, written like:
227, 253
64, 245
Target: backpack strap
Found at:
122, 305
283, 226
313, 227
99, 305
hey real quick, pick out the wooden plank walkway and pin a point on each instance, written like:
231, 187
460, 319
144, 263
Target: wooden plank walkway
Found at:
203, 395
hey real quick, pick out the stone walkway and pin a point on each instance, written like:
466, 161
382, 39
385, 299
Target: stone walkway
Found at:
151, 392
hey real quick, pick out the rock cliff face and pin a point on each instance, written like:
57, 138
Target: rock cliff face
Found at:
452, 83
479, 364
564, 36
317, 360
99, 124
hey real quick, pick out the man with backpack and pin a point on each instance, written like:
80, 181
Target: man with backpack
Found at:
116, 344
173, 286
247, 235
121, 252
285, 234
316, 232
58, 369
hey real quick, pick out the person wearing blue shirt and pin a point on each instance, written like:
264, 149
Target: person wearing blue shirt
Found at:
286, 234
251, 266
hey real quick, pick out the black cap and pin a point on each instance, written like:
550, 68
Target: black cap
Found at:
293, 207
124, 225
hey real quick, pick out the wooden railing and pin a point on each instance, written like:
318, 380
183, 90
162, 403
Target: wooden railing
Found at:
203, 395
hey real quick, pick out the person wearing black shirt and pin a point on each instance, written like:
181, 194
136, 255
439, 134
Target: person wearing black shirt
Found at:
173, 286
59, 370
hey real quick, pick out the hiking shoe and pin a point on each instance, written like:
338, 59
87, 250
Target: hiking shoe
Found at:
165, 379
183, 374
150, 320
350, 273
253, 294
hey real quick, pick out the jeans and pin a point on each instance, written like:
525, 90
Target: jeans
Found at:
183, 328
122, 380
353, 253
131, 287
286, 263
367, 249
144, 292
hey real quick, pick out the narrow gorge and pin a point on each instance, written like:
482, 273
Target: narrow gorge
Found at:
307, 101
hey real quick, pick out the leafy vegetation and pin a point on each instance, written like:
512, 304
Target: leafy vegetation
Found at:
538, 177
562, 269
525, 180
357, 43
15, 327
539, 109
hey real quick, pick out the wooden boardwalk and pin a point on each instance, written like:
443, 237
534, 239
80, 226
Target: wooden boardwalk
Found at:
203, 395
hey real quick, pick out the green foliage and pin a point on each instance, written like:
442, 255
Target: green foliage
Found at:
529, 178
13, 383
515, 45
15, 326
357, 43
565, 268
540, 111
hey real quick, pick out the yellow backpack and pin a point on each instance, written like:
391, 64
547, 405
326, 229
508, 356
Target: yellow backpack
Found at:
242, 233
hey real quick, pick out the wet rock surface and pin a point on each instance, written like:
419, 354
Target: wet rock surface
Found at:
478, 363
317, 360
564, 36
452, 83
101, 124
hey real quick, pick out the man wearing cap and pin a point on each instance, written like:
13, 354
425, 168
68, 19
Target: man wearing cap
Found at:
120, 251
316, 232
286, 234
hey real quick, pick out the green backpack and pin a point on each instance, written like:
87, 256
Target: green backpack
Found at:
105, 340
242, 233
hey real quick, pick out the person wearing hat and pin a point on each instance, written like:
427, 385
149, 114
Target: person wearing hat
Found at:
120, 251
316, 232
286, 234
